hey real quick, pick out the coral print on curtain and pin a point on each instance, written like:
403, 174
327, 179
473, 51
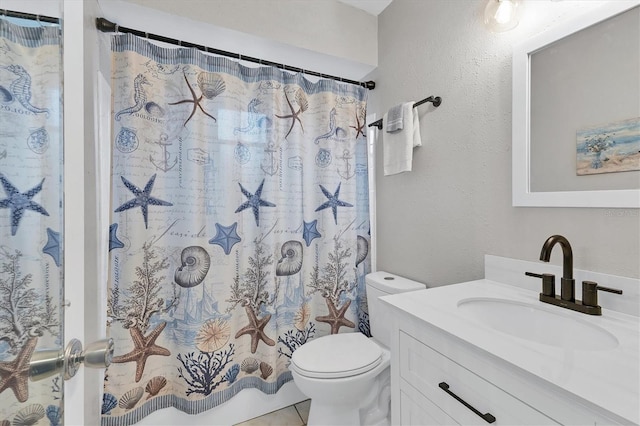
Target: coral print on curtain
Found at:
240, 225
30, 219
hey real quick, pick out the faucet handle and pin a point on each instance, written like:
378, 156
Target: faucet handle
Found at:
609, 290
548, 283
590, 292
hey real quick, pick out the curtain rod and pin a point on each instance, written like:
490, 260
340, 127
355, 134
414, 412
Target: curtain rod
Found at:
107, 26
436, 100
30, 16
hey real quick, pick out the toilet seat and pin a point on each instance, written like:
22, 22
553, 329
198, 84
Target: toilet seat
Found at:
336, 356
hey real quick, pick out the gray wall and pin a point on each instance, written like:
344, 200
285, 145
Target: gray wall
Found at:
436, 223
325, 26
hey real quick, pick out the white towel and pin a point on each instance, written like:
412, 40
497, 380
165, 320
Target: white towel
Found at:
398, 146
395, 119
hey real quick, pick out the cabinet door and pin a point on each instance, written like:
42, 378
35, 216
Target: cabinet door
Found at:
426, 369
415, 409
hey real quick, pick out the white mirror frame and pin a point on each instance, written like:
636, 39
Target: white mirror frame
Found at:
521, 167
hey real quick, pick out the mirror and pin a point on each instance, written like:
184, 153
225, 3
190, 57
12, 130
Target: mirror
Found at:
576, 112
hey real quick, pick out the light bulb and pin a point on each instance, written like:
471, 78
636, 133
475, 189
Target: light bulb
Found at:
501, 15
505, 12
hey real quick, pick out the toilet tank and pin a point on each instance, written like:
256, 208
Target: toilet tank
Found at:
381, 284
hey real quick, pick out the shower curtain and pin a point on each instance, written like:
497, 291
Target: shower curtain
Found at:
30, 218
240, 225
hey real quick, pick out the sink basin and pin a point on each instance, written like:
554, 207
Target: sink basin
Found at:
528, 322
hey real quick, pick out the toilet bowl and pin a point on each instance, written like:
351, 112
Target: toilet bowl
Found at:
347, 376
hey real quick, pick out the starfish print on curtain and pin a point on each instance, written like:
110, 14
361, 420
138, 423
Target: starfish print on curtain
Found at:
53, 247
310, 232
303, 104
336, 317
144, 347
255, 329
211, 85
18, 202
359, 127
143, 198
226, 237
254, 201
14, 375
333, 202
114, 241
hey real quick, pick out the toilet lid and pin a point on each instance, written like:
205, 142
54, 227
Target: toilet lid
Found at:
337, 355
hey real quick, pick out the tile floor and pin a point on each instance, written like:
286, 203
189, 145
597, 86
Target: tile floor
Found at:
293, 415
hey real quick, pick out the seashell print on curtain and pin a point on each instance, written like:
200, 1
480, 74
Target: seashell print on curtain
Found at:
240, 225
31, 218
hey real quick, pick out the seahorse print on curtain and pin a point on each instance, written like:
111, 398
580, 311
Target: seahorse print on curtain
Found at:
240, 226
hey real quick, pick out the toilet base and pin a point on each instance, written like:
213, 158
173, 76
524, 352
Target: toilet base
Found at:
332, 415
372, 408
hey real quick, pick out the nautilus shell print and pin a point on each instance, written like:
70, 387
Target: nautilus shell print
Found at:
195, 265
291, 261
363, 250
211, 84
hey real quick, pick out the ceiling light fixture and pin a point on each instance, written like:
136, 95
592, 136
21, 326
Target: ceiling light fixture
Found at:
501, 15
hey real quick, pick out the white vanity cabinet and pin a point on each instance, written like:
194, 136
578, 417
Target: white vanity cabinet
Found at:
424, 356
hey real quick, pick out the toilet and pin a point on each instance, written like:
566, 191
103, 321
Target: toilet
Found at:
352, 388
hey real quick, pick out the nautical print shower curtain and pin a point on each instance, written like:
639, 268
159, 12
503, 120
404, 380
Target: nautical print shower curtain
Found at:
30, 218
240, 225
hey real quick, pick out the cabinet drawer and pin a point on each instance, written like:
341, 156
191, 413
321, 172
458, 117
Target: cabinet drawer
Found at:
424, 369
415, 409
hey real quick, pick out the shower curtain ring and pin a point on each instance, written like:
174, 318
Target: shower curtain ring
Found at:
117, 29
146, 35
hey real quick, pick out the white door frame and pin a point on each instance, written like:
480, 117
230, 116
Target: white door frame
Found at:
82, 235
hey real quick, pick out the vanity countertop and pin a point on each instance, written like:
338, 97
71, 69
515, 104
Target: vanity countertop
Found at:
609, 378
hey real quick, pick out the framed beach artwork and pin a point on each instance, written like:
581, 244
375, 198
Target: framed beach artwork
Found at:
609, 148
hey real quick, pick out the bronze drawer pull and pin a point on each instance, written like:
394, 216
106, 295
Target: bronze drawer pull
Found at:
486, 417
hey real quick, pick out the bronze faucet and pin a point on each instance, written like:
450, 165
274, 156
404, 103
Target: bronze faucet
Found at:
589, 304
567, 283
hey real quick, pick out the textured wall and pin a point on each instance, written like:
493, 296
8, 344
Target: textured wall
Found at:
325, 26
436, 223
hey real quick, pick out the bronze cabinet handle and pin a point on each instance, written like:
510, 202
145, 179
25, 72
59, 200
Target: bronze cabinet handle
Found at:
487, 417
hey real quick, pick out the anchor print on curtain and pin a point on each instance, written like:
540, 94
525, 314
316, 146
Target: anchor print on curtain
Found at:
240, 225
30, 218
